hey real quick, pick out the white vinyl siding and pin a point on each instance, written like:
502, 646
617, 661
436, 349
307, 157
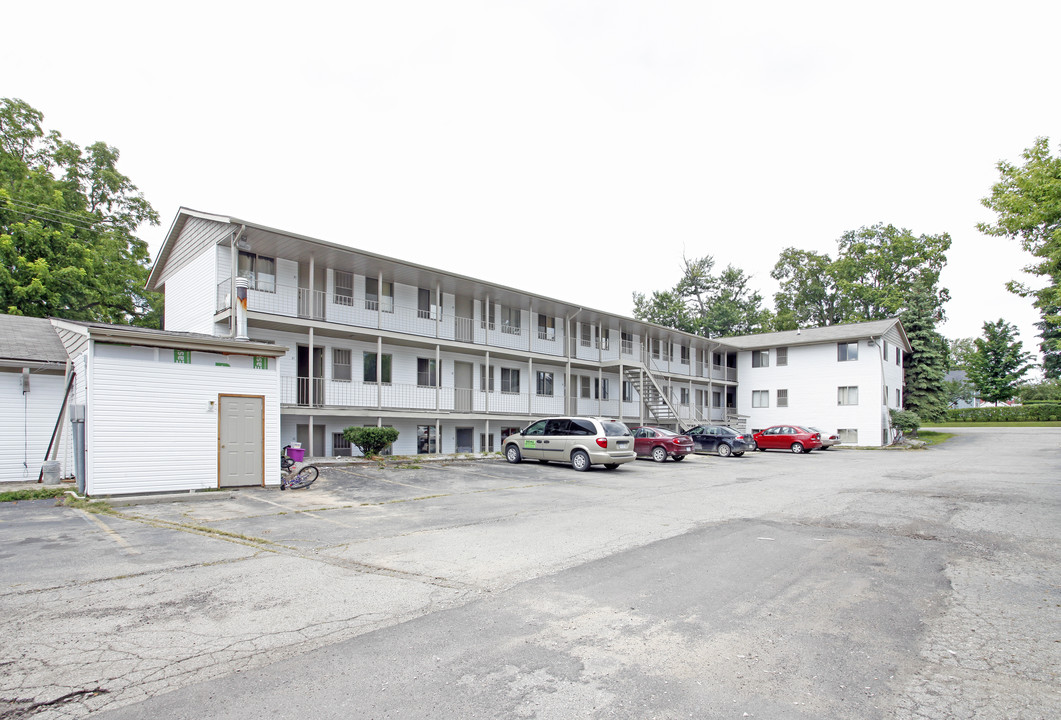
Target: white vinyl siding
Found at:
156, 416
191, 296
27, 422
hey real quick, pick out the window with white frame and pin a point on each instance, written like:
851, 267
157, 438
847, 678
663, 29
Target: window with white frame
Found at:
782, 398
716, 399
628, 391
601, 336
627, 340
344, 288
340, 445
760, 358
585, 335
898, 356
373, 299
848, 436
546, 327
683, 398
545, 383
760, 398
884, 349
600, 388
668, 351
487, 323
584, 386
885, 395
370, 370
426, 307
510, 380
259, 270
898, 398
847, 395
341, 364
782, 356
510, 320
684, 354
426, 372
846, 351
654, 345
486, 378
486, 442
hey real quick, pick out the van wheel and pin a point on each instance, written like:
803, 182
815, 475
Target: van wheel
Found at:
580, 460
512, 454
659, 454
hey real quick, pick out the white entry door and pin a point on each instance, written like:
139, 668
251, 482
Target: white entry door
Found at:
241, 441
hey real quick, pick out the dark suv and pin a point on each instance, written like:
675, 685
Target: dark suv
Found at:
577, 440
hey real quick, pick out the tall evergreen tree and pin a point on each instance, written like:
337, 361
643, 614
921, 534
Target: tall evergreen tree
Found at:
999, 362
927, 362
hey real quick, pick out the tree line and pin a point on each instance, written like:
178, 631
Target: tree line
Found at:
883, 271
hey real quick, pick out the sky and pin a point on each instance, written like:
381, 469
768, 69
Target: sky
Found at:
574, 149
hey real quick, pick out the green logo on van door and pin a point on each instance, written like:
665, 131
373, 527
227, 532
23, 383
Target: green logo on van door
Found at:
528, 444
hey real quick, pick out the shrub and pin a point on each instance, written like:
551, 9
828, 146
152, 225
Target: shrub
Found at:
906, 421
370, 440
1038, 412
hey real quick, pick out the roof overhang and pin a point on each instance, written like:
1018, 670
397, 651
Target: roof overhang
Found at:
129, 335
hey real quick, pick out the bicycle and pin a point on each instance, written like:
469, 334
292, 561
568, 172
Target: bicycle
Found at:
302, 477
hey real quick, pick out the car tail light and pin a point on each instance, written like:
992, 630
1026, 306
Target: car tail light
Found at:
603, 442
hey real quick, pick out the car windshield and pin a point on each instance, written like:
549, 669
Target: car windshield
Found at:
615, 429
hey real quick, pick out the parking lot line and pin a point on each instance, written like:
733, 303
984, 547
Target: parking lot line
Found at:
107, 529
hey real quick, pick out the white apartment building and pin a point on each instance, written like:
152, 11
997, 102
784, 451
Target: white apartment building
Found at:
840, 378
454, 363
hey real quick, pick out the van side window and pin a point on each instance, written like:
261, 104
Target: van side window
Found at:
537, 428
556, 427
582, 427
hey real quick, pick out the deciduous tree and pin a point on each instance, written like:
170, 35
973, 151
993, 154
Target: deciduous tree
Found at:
68, 220
706, 304
1027, 200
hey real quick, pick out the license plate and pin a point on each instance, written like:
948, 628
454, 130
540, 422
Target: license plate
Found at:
622, 444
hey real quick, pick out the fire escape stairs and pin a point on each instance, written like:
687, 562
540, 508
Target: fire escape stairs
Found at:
656, 401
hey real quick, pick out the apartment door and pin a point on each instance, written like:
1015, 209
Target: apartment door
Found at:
462, 329
310, 385
462, 387
302, 433
465, 440
240, 440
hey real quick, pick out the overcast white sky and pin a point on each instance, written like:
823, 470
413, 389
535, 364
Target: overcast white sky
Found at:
575, 149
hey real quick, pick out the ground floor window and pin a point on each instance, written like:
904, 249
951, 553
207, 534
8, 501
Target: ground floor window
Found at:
340, 445
506, 431
426, 440
760, 398
847, 395
782, 398
848, 435
486, 442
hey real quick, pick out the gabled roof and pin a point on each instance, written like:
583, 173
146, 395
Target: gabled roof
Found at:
813, 336
170, 338
29, 340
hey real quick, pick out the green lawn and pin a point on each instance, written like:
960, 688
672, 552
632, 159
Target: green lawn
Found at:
931, 437
34, 494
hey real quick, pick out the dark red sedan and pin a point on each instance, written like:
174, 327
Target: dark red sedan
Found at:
788, 437
659, 444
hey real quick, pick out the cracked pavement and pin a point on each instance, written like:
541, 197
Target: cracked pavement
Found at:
890, 584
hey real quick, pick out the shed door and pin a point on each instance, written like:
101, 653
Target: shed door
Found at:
241, 441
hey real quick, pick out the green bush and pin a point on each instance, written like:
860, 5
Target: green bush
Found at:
906, 421
1038, 412
370, 440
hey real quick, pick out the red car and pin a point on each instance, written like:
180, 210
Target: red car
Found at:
659, 444
788, 437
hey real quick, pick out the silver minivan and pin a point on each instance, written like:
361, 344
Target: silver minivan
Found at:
580, 441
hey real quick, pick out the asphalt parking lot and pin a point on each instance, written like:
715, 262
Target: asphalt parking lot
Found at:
870, 584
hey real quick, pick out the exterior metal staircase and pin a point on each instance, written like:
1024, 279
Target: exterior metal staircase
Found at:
656, 402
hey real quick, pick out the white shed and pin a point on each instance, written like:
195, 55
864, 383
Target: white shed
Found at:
171, 411
33, 369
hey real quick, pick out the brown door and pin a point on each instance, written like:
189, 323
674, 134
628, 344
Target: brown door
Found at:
241, 441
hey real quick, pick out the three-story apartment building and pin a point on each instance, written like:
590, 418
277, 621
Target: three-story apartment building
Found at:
454, 363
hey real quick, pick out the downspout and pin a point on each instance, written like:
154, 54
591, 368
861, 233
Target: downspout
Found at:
232, 322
